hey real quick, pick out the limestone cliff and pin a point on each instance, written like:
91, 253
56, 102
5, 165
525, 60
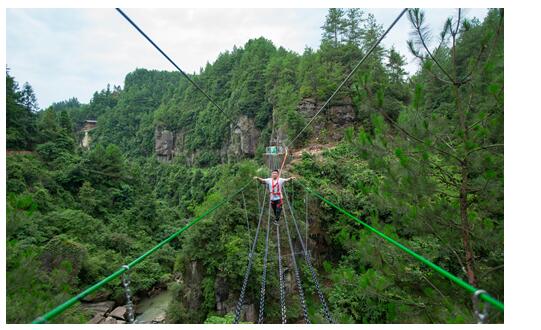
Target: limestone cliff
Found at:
245, 136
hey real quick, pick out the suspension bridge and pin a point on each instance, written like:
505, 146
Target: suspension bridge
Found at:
290, 227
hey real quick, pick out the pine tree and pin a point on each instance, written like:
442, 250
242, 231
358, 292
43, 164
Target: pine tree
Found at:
353, 26
20, 117
28, 98
333, 29
448, 165
370, 34
65, 122
395, 65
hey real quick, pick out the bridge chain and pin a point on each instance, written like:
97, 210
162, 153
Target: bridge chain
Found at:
127, 292
297, 274
308, 260
240, 302
264, 275
281, 278
482, 317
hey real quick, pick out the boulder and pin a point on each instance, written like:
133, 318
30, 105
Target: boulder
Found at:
96, 319
99, 308
111, 320
160, 318
119, 313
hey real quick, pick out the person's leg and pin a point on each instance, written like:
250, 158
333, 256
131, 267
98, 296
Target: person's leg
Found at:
278, 211
273, 204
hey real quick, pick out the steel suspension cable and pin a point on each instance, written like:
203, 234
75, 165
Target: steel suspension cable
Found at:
248, 269
62, 307
297, 273
468, 287
308, 260
306, 219
349, 75
281, 278
247, 221
264, 274
175, 65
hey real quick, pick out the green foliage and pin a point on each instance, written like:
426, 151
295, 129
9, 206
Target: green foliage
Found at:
20, 117
74, 216
226, 319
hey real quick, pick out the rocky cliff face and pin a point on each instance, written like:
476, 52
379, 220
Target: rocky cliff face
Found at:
245, 136
331, 122
241, 143
164, 144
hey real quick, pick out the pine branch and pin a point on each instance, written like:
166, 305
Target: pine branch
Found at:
417, 21
413, 136
458, 21
496, 145
476, 66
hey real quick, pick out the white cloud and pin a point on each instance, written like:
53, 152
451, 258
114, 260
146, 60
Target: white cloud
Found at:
74, 52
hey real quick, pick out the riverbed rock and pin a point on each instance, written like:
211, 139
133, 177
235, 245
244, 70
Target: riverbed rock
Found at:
119, 313
99, 308
111, 320
96, 319
160, 318
97, 296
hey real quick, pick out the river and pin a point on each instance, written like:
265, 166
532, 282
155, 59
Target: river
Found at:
154, 307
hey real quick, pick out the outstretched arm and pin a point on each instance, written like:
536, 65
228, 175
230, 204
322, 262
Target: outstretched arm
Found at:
261, 180
290, 178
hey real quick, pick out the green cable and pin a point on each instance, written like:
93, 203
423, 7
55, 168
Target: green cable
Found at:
486, 297
67, 304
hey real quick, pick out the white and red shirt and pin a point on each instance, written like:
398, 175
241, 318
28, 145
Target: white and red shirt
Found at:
275, 188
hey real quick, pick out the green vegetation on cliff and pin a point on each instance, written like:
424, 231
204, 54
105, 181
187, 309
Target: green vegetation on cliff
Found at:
422, 161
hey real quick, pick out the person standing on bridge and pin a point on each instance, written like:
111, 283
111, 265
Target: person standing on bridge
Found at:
274, 184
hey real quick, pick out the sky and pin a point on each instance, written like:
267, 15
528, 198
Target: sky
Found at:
66, 53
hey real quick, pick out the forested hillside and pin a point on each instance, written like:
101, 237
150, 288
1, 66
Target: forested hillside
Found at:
420, 158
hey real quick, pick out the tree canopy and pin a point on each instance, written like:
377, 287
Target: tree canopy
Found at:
422, 161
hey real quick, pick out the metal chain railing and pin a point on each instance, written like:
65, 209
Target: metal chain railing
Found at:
308, 260
482, 317
297, 274
306, 224
264, 274
127, 292
240, 302
281, 278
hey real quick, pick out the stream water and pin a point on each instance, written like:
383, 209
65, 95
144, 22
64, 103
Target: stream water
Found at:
153, 307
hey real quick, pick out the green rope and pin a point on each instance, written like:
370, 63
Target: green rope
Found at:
67, 304
486, 297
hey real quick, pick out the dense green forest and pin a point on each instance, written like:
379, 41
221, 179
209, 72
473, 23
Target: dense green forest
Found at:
422, 161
